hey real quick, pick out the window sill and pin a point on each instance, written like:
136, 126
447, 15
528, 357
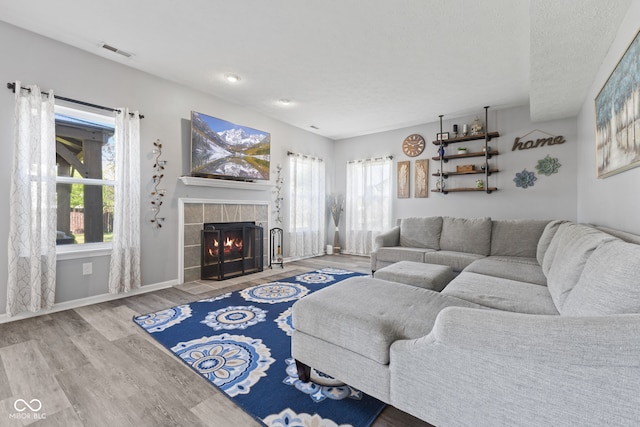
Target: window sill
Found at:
87, 250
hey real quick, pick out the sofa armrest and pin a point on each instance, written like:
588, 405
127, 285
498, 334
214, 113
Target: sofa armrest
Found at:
489, 367
558, 339
387, 238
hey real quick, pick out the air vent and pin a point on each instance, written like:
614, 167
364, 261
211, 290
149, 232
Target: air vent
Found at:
116, 50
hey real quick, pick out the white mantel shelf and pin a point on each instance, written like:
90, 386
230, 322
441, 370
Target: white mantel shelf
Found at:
226, 183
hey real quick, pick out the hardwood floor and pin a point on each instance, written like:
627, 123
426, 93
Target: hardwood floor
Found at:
92, 366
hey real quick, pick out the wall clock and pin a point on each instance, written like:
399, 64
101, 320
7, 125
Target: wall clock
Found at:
413, 145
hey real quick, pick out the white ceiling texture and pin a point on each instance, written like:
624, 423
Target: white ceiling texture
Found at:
350, 67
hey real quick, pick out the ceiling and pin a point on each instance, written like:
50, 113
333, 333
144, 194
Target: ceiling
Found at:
350, 67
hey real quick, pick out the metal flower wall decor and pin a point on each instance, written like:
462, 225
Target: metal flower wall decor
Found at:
278, 193
548, 166
525, 179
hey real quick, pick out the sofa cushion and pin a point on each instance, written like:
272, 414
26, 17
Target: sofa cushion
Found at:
470, 235
501, 294
514, 268
566, 257
422, 232
545, 239
397, 253
609, 284
623, 235
517, 237
389, 237
423, 275
458, 261
367, 315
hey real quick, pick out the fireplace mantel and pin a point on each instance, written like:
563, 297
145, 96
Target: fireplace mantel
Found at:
226, 183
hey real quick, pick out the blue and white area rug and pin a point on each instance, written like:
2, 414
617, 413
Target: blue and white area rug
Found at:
240, 342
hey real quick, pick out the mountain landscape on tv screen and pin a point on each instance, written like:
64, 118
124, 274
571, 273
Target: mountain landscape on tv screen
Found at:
222, 149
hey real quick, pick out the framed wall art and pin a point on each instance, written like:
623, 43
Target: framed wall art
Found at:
618, 116
403, 180
422, 182
442, 136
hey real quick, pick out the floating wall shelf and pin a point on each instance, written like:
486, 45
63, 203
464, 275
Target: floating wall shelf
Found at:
460, 189
446, 174
486, 154
462, 156
468, 138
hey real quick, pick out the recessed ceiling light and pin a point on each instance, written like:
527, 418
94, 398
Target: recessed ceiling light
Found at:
232, 78
284, 101
314, 127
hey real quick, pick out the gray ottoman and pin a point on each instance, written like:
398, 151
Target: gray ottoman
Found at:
428, 276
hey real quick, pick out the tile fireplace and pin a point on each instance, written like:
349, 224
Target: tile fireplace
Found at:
193, 214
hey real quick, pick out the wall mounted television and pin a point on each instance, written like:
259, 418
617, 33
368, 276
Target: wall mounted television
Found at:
221, 149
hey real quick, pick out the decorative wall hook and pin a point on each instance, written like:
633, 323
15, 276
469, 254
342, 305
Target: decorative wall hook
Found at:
158, 193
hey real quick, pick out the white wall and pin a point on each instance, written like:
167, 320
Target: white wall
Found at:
73, 73
611, 201
573, 193
551, 197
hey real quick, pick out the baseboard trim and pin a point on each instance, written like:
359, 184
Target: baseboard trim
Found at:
68, 305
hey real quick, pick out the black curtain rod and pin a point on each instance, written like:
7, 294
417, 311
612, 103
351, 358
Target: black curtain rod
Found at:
12, 86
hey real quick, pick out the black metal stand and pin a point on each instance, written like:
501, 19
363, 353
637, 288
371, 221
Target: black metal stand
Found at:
275, 244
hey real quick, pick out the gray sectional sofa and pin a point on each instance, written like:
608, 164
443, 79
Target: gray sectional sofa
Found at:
457, 242
541, 325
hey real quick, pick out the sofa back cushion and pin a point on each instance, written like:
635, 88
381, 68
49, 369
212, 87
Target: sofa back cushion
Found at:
566, 257
421, 232
516, 237
609, 284
622, 235
545, 239
471, 235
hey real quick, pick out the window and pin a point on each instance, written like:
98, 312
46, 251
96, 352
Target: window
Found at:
85, 160
306, 210
368, 203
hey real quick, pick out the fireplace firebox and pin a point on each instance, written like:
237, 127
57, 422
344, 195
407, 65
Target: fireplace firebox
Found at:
231, 249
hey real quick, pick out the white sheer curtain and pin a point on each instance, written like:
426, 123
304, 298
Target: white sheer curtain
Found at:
31, 281
368, 203
306, 206
125, 257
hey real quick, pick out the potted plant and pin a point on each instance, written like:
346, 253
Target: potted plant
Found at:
462, 150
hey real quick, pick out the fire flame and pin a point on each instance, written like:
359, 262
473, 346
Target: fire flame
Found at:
230, 245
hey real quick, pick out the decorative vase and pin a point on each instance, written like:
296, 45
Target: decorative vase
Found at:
476, 127
336, 207
462, 151
336, 241
441, 151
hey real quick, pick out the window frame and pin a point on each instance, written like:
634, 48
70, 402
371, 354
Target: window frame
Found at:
84, 250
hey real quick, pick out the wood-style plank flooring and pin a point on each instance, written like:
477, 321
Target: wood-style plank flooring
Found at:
92, 366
